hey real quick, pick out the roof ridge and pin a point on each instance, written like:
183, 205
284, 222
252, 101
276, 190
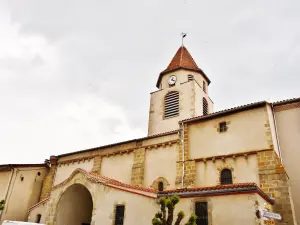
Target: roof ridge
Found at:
218, 186
117, 182
240, 107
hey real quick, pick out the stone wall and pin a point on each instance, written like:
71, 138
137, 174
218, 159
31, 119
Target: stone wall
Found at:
138, 167
185, 162
97, 164
48, 182
274, 182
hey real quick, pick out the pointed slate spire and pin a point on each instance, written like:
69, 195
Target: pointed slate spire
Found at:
182, 60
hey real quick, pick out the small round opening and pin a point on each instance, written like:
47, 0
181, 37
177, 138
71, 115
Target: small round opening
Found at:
39, 173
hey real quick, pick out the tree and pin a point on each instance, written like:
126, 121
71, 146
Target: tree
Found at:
2, 205
168, 204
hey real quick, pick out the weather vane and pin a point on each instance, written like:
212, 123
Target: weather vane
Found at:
183, 35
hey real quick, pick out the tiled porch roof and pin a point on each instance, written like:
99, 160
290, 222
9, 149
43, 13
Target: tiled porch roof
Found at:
95, 178
229, 189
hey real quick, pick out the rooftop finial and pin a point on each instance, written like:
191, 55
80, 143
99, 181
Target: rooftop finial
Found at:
183, 35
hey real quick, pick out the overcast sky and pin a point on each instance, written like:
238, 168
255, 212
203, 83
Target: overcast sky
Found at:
78, 74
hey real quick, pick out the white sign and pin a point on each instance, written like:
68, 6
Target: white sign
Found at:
271, 215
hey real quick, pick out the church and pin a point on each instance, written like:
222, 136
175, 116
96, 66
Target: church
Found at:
225, 166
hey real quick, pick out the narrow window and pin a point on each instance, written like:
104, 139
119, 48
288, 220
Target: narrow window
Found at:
119, 220
222, 126
160, 186
38, 218
226, 176
201, 213
204, 86
172, 104
205, 107
190, 77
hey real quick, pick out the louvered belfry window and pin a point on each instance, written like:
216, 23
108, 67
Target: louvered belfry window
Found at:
226, 176
205, 107
172, 104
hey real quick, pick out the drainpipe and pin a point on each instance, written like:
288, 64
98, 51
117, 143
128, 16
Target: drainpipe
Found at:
183, 161
7, 191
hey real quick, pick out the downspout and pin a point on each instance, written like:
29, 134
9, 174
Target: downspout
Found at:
183, 161
7, 191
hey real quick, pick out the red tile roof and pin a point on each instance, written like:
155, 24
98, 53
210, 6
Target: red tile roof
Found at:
216, 187
286, 101
39, 203
182, 60
95, 178
5, 167
218, 190
118, 183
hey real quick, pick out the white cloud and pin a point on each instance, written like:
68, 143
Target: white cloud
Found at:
77, 74
38, 116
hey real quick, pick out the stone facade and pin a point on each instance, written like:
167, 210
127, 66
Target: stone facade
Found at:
49, 180
97, 164
137, 175
274, 182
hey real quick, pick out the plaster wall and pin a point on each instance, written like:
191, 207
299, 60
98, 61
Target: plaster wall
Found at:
225, 210
243, 170
4, 180
273, 130
199, 95
63, 171
157, 140
161, 162
182, 77
118, 167
35, 212
289, 139
246, 132
138, 209
187, 106
23, 193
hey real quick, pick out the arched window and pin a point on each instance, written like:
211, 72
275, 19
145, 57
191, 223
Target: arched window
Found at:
204, 86
205, 107
226, 176
172, 104
190, 77
160, 186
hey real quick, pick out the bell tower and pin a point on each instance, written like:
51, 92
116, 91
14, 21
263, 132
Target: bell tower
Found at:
182, 93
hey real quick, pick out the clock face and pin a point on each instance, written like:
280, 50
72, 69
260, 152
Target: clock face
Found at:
172, 80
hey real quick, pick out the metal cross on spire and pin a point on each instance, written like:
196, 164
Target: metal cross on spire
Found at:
183, 35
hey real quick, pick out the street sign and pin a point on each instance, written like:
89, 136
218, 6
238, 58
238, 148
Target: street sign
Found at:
271, 215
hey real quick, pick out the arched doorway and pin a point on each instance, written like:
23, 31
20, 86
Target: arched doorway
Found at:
75, 206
